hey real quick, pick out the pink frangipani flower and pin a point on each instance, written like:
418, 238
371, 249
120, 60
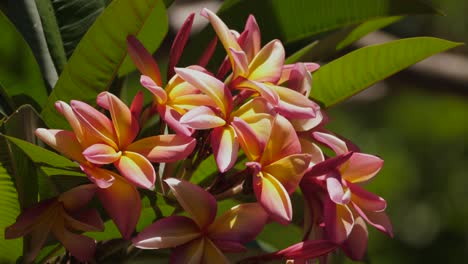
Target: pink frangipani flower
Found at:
200, 238
59, 216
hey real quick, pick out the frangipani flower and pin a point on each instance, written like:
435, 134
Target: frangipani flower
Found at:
226, 123
278, 169
201, 238
177, 97
59, 216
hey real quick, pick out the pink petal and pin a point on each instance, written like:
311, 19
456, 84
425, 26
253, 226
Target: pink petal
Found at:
157, 91
38, 237
305, 250
77, 197
355, 246
197, 202
241, 64
378, 220
223, 32
87, 220
122, 203
283, 141
168, 232
331, 141
94, 123
143, 59
247, 139
172, 117
337, 193
63, 141
339, 221
289, 170
28, 219
361, 167
366, 200
225, 147
241, 224
293, 104
125, 124
265, 91
202, 117
101, 177
313, 150
81, 247
209, 85
137, 169
64, 109
229, 246
164, 148
288, 68
328, 165
267, 64
273, 197
208, 53
178, 44
191, 252
308, 123
300, 79
137, 104
252, 40
101, 154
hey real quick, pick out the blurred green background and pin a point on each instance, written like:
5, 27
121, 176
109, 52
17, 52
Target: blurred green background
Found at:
420, 129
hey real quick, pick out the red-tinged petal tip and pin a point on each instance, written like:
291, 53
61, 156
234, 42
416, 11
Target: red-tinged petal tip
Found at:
78, 197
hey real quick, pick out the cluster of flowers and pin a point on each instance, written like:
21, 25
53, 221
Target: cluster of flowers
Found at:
261, 110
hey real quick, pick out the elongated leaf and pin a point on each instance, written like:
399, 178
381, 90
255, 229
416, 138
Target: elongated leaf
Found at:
269, 240
10, 250
322, 49
20, 78
361, 68
101, 52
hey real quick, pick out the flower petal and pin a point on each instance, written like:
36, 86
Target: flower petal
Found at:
300, 79
361, 167
202, 117
137, 169
225, 147
331, 141
366, 200
172, 117
168, 232
212, 254
64, 109
38, 237
305, 250
126, 126
308, 123
122, 203
190, 253
94, 123
294, 105
379, 220
143, 59
197, 202
164, 148
355, 246
209, 85
63, 141
337, 193
78, 197
268, 63
101, 177
283, 141
241, 223
329, 165
87, 220
157, 91
241, 64
137, 104
339, 221
229, 246
247, 139
101, 154
81, 247
289, 170
273, 197
288, 68
178, 44
251, 42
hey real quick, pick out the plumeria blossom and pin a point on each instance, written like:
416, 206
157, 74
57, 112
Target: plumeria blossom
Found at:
278, 169
201, 238
60, 216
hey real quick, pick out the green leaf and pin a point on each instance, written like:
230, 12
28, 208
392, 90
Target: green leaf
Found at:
361, 68
10, 250
269, 240
20, 77
322, 49
97, 58
298, 19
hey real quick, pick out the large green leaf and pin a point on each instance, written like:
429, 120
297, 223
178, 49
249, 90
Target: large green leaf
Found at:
20, 78
98, 57
361, 68
324, 48
10, 250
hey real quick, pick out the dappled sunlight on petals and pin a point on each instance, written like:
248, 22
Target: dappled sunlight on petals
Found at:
137, 169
